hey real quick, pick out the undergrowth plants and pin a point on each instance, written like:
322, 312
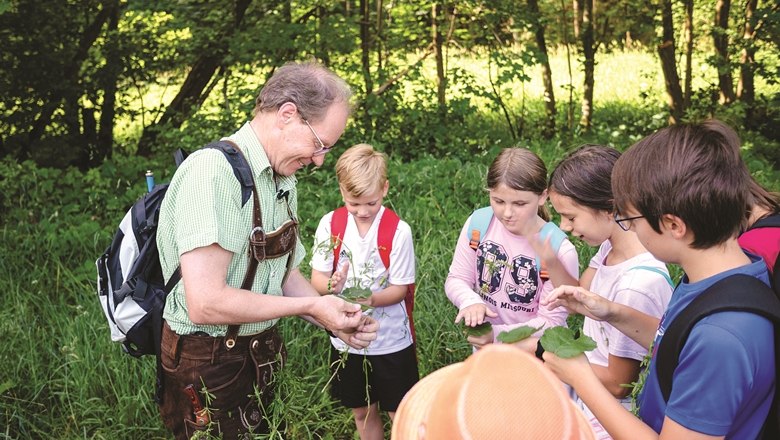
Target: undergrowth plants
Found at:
64, 378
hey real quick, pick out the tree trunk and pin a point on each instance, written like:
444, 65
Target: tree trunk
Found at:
549, 94
590, 62
365, 45
441, 80
365, 62
191, 94
570, 106
379, 38
105, 136
577, 17
666, 52
69, 77
745, 87
688, 53
721, 40
321, 47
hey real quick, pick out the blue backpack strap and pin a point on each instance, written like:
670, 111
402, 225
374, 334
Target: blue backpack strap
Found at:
556, 237
480, 220
656, 270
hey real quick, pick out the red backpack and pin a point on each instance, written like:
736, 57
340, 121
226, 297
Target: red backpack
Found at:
384, 243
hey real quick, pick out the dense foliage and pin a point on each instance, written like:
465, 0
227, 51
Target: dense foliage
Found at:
82, 80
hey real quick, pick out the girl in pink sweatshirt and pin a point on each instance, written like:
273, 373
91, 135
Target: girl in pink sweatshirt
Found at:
496, 276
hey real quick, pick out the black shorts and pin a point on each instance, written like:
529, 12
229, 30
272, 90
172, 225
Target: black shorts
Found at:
385, 379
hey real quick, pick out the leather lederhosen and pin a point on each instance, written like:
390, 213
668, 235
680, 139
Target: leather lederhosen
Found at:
224, 381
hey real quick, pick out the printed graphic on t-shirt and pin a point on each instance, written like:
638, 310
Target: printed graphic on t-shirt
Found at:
493, 265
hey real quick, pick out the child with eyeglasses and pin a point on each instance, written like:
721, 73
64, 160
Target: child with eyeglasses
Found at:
622, 270
365, 245
497, 275
689, 191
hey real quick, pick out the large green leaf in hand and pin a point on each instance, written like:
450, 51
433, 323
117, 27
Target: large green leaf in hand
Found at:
355, 294
479, 330
517, 334
560, 340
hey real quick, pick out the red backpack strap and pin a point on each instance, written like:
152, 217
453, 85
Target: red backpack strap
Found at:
384, 237
388, 224
338, 226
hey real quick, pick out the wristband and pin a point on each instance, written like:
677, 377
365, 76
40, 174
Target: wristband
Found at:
539, 350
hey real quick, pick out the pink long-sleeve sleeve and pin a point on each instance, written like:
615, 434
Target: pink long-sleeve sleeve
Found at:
461, 279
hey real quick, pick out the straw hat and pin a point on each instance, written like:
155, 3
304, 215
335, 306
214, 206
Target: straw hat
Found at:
500, 392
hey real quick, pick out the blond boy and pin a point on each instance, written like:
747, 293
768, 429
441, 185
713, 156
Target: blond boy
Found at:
377, 378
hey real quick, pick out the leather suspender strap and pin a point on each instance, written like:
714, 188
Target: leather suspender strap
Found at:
232, 331
259, 250
257, 225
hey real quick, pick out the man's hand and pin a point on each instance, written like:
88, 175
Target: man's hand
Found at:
361, 336
474, 315
333, 313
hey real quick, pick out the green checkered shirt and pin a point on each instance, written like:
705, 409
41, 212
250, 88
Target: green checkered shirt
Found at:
203, 207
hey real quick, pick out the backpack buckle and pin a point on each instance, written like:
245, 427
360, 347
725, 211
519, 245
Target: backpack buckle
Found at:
257, 243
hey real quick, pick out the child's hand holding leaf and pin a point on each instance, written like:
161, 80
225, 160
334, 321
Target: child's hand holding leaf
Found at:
561, 341
338, 278
474, 314
478, 330
564, 355
479, 335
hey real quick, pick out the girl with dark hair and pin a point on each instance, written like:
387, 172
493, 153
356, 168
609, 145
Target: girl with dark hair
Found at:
622, 270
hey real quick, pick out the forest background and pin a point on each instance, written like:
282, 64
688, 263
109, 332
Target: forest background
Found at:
94, 93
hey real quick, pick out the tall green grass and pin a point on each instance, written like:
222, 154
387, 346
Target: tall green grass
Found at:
63, 378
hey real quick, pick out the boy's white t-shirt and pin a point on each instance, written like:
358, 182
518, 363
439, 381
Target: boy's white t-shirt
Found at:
634, 283
394, 331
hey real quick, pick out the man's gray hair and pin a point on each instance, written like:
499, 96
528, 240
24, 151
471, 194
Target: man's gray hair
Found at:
309, 85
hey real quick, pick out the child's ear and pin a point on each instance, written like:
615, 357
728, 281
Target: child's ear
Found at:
386, 187
674, 225
543, 197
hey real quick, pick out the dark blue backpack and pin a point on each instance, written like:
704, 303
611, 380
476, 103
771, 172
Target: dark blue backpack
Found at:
130, 283
734, 293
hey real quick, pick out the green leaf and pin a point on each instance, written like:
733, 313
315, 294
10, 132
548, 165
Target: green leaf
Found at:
355, 294
560, 340
479, 330
517, 334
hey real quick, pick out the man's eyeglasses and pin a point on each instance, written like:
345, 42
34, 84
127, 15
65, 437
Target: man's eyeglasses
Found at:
323, 149
625, 223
